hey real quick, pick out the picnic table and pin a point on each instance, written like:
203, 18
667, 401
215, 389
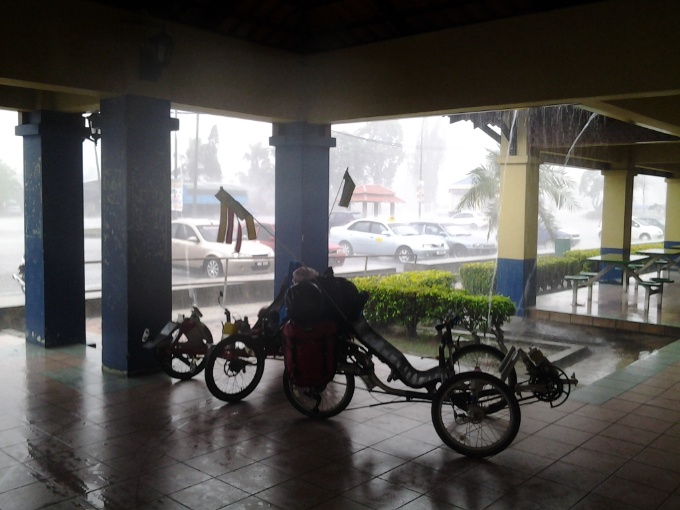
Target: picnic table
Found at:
629, 265
664, 258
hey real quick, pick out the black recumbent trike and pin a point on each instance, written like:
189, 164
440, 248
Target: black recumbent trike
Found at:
473, 390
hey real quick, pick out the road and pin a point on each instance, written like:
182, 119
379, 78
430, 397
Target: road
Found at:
12, 249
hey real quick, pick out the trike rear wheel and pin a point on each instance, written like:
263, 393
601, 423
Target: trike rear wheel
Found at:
323, 401
476, 414
235, 367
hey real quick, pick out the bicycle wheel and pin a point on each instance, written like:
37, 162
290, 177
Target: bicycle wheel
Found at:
481, 357
462, 418
235, 367
184, 357
320, 402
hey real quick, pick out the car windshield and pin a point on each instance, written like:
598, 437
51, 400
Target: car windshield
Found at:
402, 229
208, 232
454, 230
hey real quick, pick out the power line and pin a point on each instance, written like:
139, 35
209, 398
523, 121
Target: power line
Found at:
390, 144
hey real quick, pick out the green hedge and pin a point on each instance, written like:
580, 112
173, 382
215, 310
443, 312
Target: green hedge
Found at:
411, 298
477, 277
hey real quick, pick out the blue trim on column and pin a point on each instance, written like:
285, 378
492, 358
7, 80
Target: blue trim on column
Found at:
516, 279
613, 276
301, 195
671, 244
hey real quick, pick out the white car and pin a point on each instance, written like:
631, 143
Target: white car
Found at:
469, 219
386, 238
639, 232
194, 245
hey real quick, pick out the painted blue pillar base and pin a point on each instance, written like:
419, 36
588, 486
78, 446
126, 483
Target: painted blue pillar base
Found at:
614, 276
516, 279
136, 243
667, 244
53, 227
301, 209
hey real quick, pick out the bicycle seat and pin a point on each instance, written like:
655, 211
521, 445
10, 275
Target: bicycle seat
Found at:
393, 357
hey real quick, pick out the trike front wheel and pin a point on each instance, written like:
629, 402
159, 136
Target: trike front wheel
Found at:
235, 367
481, 357
185, 357
476, 414
321, 401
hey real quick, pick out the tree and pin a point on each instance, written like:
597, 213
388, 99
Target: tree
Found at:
209, 168
592, 186
372, 153
554, 190
259, 178
10, 187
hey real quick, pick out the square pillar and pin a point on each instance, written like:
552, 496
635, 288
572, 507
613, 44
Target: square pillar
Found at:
518, 219
53, 227
136, 244
672, 232
301, 209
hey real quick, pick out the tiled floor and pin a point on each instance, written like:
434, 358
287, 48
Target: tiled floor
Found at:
73, 436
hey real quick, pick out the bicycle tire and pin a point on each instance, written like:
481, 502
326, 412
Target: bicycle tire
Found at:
461, 418
481, 357
234, 368
183, 359
320, 402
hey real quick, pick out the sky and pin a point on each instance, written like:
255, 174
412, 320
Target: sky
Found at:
464, 147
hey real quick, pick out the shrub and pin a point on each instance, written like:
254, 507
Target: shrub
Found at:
428, 296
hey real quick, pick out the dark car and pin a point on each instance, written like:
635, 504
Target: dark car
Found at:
462, 243
547, 240
265, 231
342, 218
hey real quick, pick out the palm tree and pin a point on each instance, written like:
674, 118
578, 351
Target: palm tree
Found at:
554, 187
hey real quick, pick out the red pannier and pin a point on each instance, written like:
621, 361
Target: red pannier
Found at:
310, 353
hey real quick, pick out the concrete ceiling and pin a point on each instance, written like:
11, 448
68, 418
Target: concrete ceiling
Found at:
335, 61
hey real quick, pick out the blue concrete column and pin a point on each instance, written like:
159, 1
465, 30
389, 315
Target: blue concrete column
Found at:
136, 249
53, 227
518, 219
302, 162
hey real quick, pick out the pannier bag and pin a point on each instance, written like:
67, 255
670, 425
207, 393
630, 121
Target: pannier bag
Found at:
310, 353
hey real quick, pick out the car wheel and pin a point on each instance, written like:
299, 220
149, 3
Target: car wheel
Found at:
347, 248
458, 250
550, 244
473, 226
645, 237
213, 267
404, 254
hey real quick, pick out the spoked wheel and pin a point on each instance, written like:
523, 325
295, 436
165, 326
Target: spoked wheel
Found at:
235, 367
481, 357
185, 357
476, 414
323, 401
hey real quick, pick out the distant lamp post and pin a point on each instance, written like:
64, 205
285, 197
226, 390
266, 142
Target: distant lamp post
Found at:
155, 55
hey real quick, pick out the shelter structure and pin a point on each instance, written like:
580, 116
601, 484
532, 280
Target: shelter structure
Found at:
304, 67
375, 195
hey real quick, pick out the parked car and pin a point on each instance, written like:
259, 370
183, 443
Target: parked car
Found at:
375, 237
266, 230
469, 219
461, 242
654, 222
547, 240
194, 245
338, 218
639, 231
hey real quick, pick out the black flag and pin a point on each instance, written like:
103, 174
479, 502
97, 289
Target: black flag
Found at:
347, 190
